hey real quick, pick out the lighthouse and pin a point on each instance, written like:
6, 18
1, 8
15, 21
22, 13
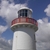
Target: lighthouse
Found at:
24, 28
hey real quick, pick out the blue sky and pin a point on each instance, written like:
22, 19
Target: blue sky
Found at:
38, 7
41, 12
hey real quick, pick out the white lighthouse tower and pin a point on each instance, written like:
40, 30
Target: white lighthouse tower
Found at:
24, 28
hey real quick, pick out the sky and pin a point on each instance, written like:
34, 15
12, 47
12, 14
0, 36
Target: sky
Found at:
41, 12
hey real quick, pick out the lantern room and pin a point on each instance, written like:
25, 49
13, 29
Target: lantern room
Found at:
25, 12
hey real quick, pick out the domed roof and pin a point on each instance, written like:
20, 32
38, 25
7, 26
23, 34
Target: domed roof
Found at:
26, 8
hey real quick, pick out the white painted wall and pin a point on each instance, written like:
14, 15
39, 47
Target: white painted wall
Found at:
24, 39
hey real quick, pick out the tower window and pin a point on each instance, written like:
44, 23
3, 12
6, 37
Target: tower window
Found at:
22, 13
25, 13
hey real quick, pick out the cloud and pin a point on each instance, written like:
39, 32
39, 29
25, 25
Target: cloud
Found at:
2, 28
5, 44
43, 34
42, 37
8, 11
47, 10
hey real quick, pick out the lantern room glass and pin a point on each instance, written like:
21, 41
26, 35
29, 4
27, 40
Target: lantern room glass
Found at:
23, 13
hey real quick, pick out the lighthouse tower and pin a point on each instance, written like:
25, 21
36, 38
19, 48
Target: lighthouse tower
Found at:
24, 28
